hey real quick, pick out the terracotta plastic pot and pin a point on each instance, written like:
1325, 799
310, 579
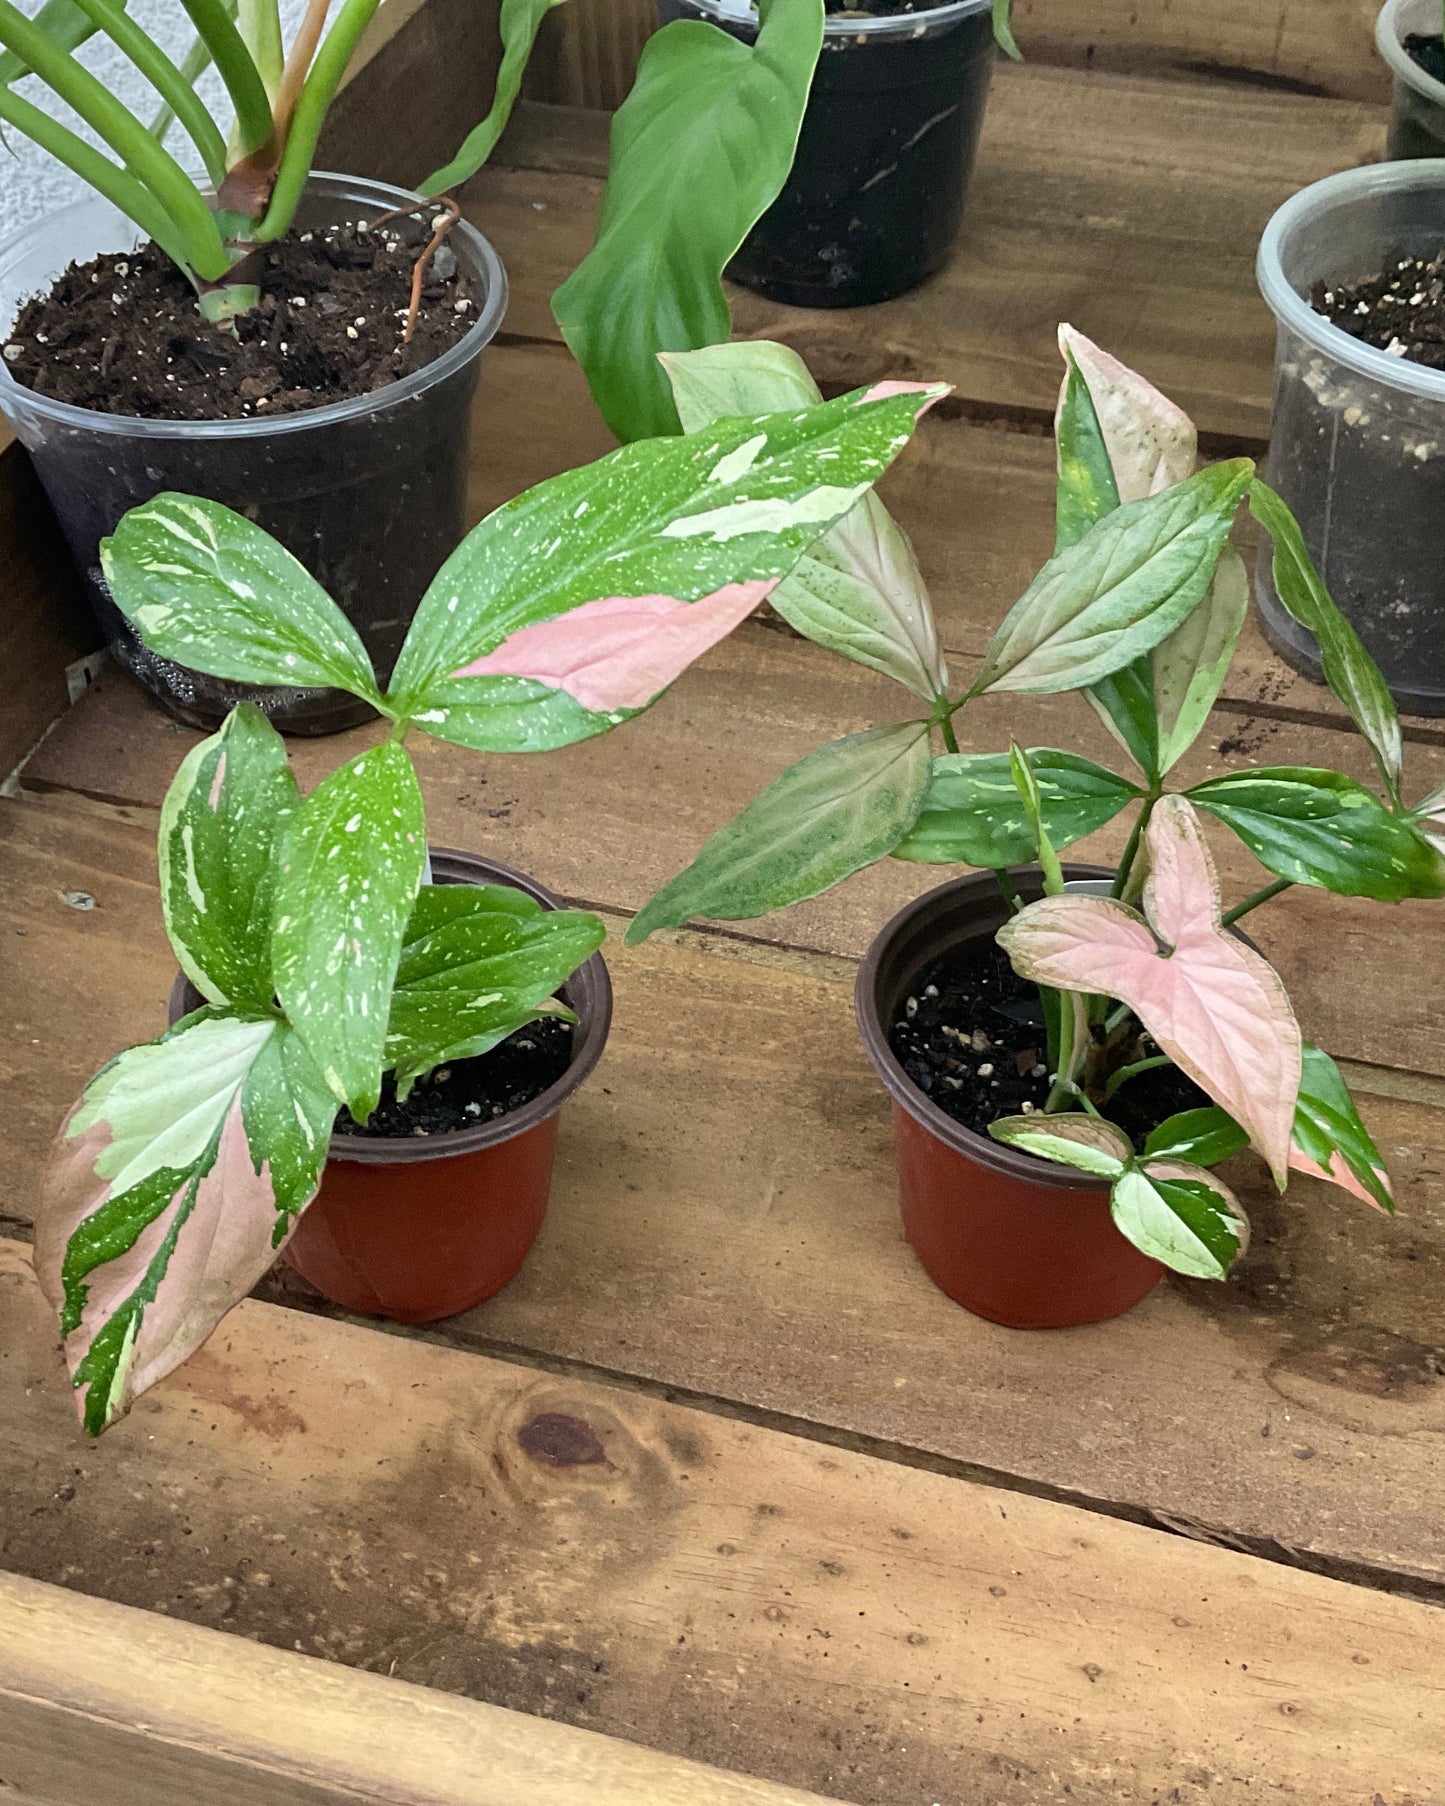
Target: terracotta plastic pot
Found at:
419, 1229
1015, 1239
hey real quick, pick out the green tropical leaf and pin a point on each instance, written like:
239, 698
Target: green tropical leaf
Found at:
1330, 1140
1073, 1140
573, 607
220, 823
1203, 1137
858, 590
1182, 1215
207, 587
350, 863
478, 963
700, 150
520, 22
1349, 670
1086, 490
1322, 828
837, 810
1003, 29
972, 813
1117, 592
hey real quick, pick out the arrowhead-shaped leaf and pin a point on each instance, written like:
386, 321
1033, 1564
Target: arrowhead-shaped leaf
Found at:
1074, 1140
157, 1213
1121, 589
1214, 1005
858, 590
220, 823
1202, 1137
478, 962
207, 587
699, 150
1329, 1139
972, 813
351, 861
839, 809
1182, 1215
1149, 441
1322, 828
573, 607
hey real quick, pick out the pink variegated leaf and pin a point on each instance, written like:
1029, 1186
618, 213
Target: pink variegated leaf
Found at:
172, 1184
1330, 1141
1214, 1005
1151, 442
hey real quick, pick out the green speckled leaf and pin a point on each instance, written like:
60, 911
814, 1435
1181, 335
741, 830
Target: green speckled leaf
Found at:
973, 815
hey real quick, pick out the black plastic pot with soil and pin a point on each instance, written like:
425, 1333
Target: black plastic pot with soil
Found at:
1408, 33
1354, 269
877, 189
322, 421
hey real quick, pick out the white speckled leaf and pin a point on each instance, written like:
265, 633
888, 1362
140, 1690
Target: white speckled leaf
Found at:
219, 825
351, 861
207, 587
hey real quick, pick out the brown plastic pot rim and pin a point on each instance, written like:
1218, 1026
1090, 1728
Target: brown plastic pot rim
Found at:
588, 992
966, 901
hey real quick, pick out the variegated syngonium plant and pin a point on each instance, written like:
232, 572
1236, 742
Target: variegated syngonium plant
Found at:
1140, 608
323, 958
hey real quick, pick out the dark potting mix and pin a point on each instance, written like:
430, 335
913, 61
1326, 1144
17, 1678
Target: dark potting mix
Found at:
1401, 310
467, 1093
970, 1035
122, 334
1428, 50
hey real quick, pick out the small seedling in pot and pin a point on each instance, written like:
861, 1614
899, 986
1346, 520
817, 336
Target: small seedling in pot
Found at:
1140, 609
323, 957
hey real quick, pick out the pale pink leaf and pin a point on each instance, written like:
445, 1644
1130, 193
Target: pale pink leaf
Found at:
1151, 442
1214, 1005
619, 652
1338, 1173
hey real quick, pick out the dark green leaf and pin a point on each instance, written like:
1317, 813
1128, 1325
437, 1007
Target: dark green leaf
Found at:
839, 809
288, 1110
1322, 828
351, 860
700, 149
1329, 1138
220, 823
972, 814
1203, 1137
1182, 1215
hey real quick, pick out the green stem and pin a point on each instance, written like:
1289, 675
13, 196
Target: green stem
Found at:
950, 739
194, 65
1063, 1086
1009, 888
121, 189
1128, 1072
259, 23
167, 80
1117, 1017
236, 69
64, 25
1131, 851
1231, 916
327, 71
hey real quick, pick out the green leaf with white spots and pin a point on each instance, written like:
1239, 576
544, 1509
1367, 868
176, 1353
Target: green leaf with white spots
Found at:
168, 1190
1322, 828
478, 963
220, 823
1182, 1215
839, 809
574, 606
351, 861
972, 813
1071, 1139
210, 589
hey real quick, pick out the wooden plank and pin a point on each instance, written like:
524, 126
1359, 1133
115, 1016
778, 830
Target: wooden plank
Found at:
167, 1713
724, 1222
704, 1586
1131, 207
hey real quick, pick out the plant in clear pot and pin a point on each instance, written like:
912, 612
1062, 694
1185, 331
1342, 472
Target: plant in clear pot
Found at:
1409, 36
300, 346
1354, 271
1070, 1054
365, 1068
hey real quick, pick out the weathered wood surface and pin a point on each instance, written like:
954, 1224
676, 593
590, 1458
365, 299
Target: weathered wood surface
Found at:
724, 1222
707, 1587
1131, 207
169, 1714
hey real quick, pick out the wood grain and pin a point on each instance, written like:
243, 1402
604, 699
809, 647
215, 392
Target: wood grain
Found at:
166, 1714
707, 1587
724, 1222
1132, 207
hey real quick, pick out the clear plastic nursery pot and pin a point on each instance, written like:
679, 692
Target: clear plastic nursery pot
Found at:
368, 493
876, 193
416, 1230
1417, 109
1011, 1237
1357, 440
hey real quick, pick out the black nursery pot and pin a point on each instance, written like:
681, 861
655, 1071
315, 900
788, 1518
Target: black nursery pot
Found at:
369, 493
876, 193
